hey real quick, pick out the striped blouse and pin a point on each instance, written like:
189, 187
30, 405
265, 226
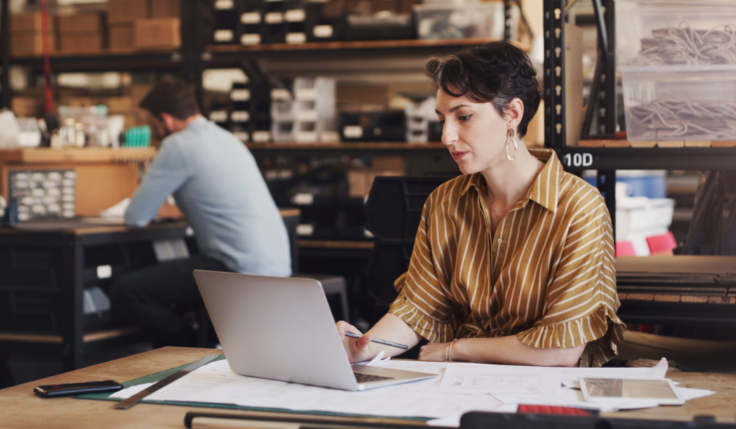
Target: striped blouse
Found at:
547, 275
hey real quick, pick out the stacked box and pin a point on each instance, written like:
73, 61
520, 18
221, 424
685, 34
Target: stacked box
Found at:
240, 99
314, 109
121, 15
26, 34
225, 14
166, 9
249, 24
81, 33
158, 33
419, 116
282, 114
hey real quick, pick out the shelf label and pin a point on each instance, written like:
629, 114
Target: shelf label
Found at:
302, 199
295, 15
296, 38
240, 94
261, 136
353, 131
305, 229
224, 4
104, 271
250, 18
323, 31
218, 116
577, 160
240, 116
223, 35
274, 18
250, 39
280, 94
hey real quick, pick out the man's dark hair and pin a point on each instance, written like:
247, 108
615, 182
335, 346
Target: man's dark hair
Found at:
173, 96
496, 72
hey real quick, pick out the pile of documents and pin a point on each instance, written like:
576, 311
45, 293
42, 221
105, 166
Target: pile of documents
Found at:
460, 387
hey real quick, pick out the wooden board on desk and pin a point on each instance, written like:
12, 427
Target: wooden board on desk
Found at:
20, 408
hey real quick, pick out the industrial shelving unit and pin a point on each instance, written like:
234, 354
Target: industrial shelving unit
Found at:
696, 304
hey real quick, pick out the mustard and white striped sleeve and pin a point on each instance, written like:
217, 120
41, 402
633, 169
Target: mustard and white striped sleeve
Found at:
423, 301
581, 299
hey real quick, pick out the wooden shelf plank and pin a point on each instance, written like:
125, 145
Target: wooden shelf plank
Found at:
351, 45
328, 244
75, 155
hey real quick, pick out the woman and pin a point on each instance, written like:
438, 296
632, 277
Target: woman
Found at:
513, 261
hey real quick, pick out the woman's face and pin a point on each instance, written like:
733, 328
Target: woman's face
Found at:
474, 133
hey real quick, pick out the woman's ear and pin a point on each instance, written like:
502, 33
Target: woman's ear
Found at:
514, 112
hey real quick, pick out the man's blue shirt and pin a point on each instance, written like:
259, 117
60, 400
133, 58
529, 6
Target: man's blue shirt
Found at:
217, 185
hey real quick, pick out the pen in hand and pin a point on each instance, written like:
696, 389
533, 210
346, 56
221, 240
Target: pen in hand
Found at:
375, 340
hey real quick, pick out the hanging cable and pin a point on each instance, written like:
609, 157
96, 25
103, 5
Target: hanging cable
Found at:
49, 108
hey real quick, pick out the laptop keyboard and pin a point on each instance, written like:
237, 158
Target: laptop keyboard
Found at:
365, 378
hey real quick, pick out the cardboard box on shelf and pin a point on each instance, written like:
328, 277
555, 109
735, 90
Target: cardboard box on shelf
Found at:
30, 22
161, 33
127, 11
354, 95
22, 44
119, 105
78, 101
360, 181
392, 163
78, 43
80, 23
25, 107
121, 36
166, 9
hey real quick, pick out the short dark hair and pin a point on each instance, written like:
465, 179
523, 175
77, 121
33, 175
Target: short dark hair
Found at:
496, 72
173, 96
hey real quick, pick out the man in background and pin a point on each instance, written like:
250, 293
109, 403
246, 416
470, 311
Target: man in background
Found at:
217, 185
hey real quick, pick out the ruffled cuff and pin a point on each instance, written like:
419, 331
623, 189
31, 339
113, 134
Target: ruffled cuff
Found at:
602, 331
426, 326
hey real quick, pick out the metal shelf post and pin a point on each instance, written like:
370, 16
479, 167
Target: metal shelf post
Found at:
5, 53
554, 74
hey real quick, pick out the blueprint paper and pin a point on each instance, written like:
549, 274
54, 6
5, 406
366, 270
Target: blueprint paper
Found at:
500, 379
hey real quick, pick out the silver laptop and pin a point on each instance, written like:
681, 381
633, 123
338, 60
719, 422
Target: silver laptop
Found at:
281, 328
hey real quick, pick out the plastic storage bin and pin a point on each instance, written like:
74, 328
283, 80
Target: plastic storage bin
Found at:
457, 21
675, 32
677, 59
680, 102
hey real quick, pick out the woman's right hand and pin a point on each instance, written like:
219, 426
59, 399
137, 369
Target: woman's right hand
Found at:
357, 349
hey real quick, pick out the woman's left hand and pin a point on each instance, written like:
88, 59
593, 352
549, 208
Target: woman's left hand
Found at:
434, 351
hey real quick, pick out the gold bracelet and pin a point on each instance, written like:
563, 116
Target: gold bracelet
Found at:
448, 351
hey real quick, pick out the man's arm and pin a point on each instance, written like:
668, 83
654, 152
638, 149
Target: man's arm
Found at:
165, 176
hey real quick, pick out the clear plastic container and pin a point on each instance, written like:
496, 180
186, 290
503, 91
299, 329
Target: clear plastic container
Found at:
675, 32
680, 102
459, 20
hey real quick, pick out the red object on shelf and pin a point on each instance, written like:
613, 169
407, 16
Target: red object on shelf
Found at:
625, 248
547, 409
662, 244
646, 328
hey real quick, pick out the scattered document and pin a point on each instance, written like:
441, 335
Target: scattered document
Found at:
500, 379
461, 388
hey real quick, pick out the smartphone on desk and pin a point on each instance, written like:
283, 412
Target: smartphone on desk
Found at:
54, 390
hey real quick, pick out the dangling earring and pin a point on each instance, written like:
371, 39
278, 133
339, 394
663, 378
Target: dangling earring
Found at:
516, 148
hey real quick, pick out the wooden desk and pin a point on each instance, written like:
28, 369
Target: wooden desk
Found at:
20, 408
